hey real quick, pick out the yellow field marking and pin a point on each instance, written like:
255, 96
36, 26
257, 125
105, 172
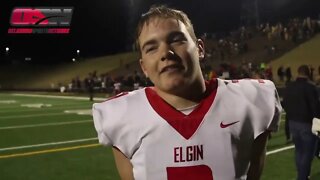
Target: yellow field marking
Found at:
48, 151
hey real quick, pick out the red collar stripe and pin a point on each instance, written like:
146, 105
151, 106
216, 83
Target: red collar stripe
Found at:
186, 125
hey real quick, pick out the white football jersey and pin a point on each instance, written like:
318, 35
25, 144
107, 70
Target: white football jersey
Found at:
212, 142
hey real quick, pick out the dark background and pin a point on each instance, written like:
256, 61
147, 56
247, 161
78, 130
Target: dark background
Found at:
103, 27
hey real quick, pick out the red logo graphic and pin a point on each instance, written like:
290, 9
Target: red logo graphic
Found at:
227, 125
44, 17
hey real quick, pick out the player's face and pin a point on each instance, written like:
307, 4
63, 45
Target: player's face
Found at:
169, 56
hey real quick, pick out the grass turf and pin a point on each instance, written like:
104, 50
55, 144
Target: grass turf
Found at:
83, 160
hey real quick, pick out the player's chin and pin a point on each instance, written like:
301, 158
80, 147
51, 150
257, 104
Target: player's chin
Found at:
174, 83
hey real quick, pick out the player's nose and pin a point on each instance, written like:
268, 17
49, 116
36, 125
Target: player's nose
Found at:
167, 53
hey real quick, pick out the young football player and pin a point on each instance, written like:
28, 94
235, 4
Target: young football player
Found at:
184, 127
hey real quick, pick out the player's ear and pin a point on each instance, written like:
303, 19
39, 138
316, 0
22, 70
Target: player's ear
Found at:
201, 51
143, 68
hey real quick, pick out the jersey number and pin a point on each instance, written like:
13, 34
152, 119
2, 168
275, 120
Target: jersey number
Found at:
202, 172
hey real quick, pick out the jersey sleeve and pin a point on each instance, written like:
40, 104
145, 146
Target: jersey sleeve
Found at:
272, 106
264, 105
116, 123
97, 113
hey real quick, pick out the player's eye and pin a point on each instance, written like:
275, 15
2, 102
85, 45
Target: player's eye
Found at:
150, 49
178, 39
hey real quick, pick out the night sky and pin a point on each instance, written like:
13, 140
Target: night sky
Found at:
102, 27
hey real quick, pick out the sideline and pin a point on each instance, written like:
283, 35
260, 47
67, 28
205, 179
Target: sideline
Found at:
80, 146
48, 151
73, 141
279, 150
47, 144
59, 97
45, 124
33, 115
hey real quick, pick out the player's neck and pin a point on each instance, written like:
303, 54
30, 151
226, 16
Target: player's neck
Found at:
189, 97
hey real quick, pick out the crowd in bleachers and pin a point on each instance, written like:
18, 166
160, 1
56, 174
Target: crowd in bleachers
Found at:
245, 70
296, 29
219, 47
222, 48
108, 83
225, 46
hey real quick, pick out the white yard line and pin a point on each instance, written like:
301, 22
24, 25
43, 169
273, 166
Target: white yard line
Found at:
63, 123
279, 150
33, 115
59, 97
47, 144
54, 107
45, 124
91, 139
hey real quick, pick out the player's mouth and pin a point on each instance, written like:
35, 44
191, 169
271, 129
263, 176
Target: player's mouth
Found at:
172, 68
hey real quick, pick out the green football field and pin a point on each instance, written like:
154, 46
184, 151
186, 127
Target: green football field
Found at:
52, 137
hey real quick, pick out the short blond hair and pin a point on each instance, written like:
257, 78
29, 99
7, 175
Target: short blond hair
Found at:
162, 11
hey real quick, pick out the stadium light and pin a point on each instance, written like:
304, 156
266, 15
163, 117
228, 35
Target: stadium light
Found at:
7, 49
74, 59
78, 51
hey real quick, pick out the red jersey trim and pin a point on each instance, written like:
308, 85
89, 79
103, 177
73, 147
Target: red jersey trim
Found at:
186, 125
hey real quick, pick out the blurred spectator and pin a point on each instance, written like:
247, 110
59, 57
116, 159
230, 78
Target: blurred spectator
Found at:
62, 89
89, 84
117, 87
311, 72
288, 74
301, 103
281, 73
268, 73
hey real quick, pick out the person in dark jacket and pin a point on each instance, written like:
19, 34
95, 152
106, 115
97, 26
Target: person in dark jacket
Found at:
288, 75
301, 103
